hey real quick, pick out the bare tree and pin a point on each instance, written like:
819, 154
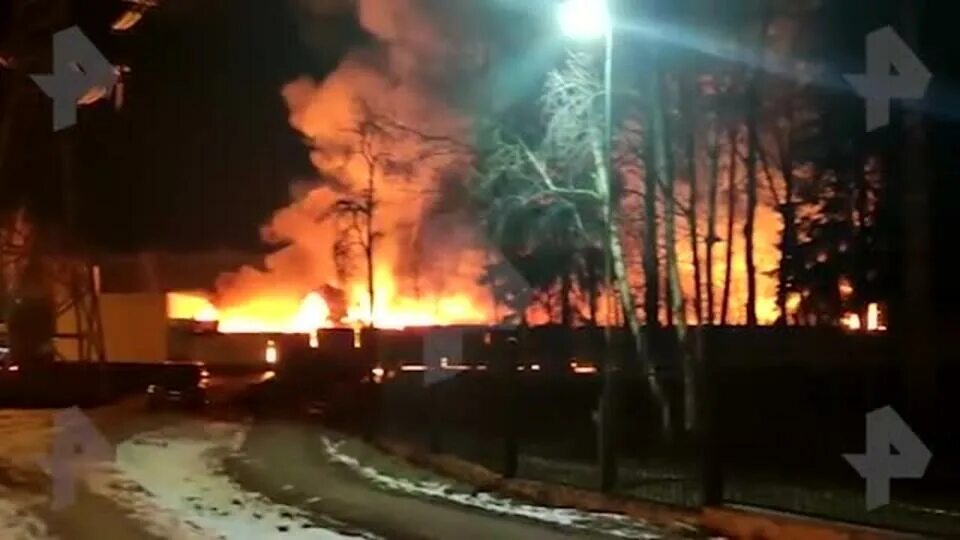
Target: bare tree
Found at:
734, 158
752, 121
786, 129
564, 174
355, 210
651, 261
663, 168
713, 155
753, 148
374, 141
689, 107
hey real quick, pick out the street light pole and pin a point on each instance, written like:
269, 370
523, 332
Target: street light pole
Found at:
588, 20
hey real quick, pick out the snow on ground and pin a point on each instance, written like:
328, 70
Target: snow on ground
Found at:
172, 480
24, 437
17, 522
612, 524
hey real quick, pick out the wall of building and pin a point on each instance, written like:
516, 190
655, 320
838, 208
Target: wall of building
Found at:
134, 328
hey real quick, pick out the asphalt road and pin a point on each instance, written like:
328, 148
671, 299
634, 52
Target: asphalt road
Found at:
287, 462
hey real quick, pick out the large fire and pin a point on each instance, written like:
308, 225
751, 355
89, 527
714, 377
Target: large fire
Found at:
371, 203
374, 197
261, 314
275, 314
392, 310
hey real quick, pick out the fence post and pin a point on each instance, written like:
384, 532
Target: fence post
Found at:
711, 447
606, 419
434, 419
510, 409
374, 413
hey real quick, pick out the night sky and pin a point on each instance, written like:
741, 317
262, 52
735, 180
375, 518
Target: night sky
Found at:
201, 154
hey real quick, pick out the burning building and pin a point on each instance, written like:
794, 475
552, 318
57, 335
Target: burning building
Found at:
364, 241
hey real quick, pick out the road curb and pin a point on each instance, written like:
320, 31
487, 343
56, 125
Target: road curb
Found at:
725, 521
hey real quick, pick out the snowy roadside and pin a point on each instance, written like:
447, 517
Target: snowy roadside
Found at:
609, 524
169, 481
24, 436
172, 480
17, 521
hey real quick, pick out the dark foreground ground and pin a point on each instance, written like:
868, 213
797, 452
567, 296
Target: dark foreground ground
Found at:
220, 474
297, 464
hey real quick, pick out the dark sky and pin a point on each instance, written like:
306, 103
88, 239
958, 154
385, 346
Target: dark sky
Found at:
942, 56
201, 153
203, 147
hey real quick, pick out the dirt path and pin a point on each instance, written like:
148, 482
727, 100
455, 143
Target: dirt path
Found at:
163, 483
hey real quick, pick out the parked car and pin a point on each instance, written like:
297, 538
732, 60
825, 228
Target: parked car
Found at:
343, 392
179, 385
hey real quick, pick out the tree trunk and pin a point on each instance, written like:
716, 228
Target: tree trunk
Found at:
691, 151
711, 239
668, 296
748, 225
664, 164
566, 318
591, 288
370, 287
690, 352
651, 263
788, 240
731, 213
663, 167
371, 237
619, 278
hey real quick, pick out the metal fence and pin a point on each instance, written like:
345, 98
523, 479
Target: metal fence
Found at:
778, 410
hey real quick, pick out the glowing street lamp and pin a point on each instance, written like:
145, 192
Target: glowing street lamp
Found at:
590, 20
584, 20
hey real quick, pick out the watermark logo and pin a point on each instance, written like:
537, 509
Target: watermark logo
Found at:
442, 352
79, 69
878, 465
443, 347
77, 445
886, 52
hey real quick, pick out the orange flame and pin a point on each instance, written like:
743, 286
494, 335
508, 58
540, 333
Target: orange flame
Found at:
852, 321
261, 314
266, 314
392, 310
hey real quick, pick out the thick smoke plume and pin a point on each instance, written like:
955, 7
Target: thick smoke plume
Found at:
383, 113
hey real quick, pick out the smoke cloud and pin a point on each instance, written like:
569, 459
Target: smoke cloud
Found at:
368, 119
